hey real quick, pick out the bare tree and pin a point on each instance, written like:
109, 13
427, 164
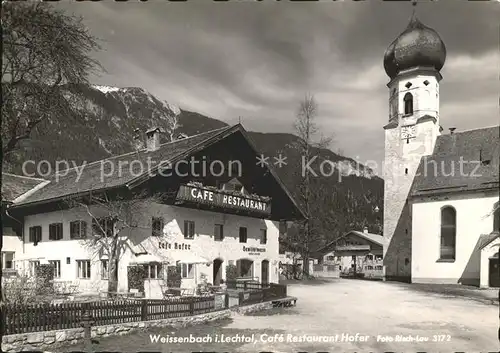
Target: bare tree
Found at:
46, 55
311, 194
112, 221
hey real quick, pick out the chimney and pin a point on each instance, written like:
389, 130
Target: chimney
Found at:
365, 230
452, 129
153, 139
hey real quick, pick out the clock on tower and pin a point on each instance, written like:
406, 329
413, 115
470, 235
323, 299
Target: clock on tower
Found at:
408, 132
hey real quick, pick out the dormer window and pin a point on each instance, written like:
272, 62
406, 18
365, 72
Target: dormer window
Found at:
233, 185
408, 101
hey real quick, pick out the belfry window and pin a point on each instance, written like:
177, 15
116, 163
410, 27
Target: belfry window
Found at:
448, 233
408, 100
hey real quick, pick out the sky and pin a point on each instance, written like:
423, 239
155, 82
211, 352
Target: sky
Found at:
257, 60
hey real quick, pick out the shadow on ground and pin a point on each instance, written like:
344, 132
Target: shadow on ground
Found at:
489, 295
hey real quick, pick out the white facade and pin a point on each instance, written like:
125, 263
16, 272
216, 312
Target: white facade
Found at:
12, 245
203, 245
474, 217
405, 144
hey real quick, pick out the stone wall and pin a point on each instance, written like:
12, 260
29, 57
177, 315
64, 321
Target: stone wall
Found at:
48, 340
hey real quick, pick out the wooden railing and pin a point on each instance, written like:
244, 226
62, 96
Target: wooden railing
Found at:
47, 317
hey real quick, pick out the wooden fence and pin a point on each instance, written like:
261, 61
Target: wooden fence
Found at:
47, 317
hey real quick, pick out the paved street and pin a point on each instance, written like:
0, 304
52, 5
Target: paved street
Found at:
363, 308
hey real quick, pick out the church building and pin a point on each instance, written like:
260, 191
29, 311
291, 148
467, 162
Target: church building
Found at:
441, 214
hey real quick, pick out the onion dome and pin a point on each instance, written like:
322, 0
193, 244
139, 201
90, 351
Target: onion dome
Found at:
418, 45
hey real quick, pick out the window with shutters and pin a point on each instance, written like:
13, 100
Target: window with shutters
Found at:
78, 229
35, 234
55, 231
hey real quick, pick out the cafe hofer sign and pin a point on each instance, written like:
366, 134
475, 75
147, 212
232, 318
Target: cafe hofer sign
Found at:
219, 199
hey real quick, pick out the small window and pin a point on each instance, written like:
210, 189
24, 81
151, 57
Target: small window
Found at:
369, 267
32, 267
188, 229
55, 231
187, 271
83, 269
153, 271
378, 267
7, 260
243, 235
157, 226
103, 227
104, 269
56, 264
426, 82
407, 261
408, 102
406, 171
219, 232
408, 84
78, 230
35, 234
263, 236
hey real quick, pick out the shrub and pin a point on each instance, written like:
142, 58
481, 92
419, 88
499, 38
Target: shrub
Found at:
174, 277
25, 290
136, 276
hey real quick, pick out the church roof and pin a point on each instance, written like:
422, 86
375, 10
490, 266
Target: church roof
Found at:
486, 239
462, 161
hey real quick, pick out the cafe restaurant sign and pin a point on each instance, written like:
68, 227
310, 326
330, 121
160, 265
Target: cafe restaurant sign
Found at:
220, 199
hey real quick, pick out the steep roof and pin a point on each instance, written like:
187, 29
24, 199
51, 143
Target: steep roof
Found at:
371, 237
14, 186
463, 161
131, 169
118, 170
374, 238
487, 239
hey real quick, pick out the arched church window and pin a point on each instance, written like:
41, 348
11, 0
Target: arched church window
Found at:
408, 100
448, 233
496, 217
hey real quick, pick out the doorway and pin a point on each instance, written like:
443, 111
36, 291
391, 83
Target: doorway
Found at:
265, 272
217, 275
494, 277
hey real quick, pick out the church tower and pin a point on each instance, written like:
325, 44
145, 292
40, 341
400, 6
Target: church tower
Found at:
413, 62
